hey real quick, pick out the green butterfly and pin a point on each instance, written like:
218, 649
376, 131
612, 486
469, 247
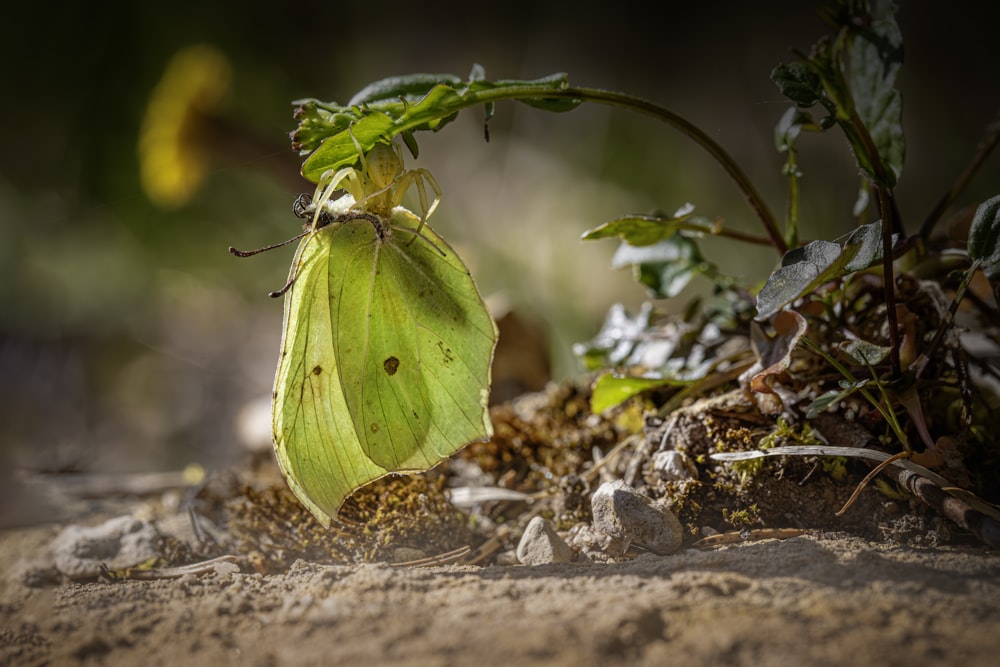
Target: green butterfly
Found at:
387, 345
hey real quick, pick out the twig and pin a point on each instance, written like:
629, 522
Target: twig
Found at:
869, 477
203, 567
985, 147
453, 556
985, 527
740, 536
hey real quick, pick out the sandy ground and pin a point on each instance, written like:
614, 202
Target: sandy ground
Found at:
817, 599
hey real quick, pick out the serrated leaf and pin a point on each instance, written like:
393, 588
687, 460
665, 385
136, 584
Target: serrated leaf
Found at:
341, 150
876, 56
798, 83
984, 237
316, 124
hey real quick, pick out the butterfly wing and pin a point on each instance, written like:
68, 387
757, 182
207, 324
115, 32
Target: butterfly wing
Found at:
314, 439
385, 361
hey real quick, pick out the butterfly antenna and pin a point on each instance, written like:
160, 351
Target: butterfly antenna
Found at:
257, 251
287, 286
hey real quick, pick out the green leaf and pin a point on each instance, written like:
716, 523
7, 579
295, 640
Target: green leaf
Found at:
411, 87
802, 270
984, 237
611, 390
385, 356
341, 150
788, 129
834, 396
644, 230
863, 352
438, 106
868, 240
805, 269
316, 124
555, 104
403, 105
798, 83
665, 267
876, 56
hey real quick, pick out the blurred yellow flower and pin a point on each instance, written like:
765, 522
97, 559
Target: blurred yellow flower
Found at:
172, 156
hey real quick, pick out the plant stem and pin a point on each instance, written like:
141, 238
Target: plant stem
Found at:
656, 111
890, 223
888, 277
883, 406
792, 214
986, 146
699, 137
743, 236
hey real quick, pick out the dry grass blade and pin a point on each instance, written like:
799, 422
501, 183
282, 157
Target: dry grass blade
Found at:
740, 536
868, 478
825, 450
447, 558
151, 574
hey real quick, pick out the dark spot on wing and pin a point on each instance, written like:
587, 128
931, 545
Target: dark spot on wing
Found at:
390, 365
317, 370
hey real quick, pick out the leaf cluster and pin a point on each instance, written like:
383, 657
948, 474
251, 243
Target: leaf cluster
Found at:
335, 136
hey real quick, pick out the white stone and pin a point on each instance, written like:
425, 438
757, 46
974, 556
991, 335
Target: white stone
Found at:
541, 545
674, 466
79, 551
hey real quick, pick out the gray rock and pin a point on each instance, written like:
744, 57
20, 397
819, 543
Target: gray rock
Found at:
79, 551
674, 466
619, 511
598, 547
541, 544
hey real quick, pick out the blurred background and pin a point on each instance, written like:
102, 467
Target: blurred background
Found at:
130, 340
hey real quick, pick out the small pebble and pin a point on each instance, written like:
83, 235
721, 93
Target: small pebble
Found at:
541, 545
225, 569
674, 466
598, 547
